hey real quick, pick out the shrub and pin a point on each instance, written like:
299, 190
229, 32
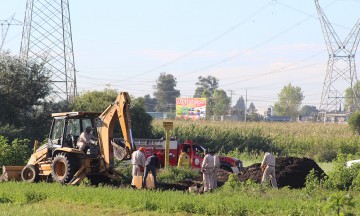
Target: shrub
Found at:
177, 174
32, 196
339, 204
5, 199
232, 183
356, 182
312, 182
354, 122
341, 178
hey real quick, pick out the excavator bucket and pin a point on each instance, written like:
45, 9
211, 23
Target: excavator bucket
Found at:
11, 173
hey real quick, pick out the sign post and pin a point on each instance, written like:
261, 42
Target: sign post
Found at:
168, 126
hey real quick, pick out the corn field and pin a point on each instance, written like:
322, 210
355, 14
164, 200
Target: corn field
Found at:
315, 140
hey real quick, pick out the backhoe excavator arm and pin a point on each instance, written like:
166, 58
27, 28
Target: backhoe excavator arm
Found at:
119, 110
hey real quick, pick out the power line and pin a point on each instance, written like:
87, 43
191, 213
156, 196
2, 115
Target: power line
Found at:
231, 29
275, 71
250, 49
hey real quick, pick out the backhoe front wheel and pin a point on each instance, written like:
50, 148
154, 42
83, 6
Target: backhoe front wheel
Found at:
30, 173
63, 168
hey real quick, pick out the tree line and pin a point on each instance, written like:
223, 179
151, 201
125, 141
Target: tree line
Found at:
219, 103
26, 100
26, 104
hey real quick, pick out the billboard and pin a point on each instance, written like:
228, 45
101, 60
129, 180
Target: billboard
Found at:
191, 108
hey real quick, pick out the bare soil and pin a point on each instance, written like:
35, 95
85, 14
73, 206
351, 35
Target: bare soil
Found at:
290, 171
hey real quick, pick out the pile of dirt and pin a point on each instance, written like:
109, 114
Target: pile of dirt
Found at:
290, 171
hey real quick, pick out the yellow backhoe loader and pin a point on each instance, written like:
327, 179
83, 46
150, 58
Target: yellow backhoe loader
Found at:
61, 160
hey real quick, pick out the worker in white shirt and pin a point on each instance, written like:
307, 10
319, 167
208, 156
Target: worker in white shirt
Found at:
85, 139
138, 161
216, 169
268, 167
207, 168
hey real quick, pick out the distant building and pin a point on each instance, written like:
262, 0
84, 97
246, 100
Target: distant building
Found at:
278, 118
158, 115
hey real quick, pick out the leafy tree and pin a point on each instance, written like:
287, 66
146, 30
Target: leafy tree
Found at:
240, 104
149, 103
354, 122
351, 97
140, 120
221, 102
98, 101
165, 93
94, 101
290, 99
309, 111
252, 109
23, 92
22, 88
205, 88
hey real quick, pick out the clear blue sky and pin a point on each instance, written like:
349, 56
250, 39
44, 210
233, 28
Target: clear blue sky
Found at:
255, 46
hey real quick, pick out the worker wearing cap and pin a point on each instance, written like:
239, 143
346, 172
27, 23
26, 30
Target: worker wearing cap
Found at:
207, 168
138, 161
151, 164
216, 169
85, 139
184, 159
268, 164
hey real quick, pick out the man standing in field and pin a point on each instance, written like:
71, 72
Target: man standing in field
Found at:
138, 162
207, 168
268, 164
216, 169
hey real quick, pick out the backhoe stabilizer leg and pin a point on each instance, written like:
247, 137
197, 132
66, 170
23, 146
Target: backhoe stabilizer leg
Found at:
79, 176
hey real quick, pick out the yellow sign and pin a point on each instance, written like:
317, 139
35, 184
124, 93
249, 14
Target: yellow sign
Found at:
168, 125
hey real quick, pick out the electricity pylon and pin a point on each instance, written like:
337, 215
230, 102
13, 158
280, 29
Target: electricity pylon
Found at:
47, 39
341, 69
5, 25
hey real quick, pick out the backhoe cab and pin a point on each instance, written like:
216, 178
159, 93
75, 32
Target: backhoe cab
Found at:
61, 160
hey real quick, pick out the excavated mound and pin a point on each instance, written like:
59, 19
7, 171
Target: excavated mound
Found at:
290, 171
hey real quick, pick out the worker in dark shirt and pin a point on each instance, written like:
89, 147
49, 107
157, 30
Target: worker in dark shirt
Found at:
151, 164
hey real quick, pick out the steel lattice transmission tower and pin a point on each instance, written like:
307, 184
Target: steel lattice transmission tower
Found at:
47, 38
5, 25
341, 69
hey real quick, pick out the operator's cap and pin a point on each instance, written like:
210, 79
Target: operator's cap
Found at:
88, 128
142, 149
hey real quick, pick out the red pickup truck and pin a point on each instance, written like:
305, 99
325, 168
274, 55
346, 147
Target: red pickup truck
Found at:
195, 151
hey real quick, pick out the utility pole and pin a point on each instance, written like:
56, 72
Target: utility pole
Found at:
232, 92
245, 104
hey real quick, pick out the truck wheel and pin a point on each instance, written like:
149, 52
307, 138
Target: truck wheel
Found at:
30, 173
63, 168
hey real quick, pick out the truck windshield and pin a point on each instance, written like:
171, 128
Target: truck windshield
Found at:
198, 150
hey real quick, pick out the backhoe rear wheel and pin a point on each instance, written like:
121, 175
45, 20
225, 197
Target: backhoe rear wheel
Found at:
63, 168
30, 173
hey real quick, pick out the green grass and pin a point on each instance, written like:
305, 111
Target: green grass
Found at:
326, 166
55, 199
